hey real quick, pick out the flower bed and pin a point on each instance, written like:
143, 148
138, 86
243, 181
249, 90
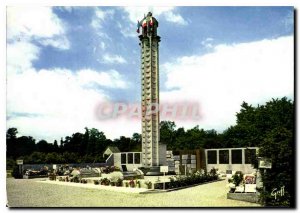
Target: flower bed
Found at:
196, 178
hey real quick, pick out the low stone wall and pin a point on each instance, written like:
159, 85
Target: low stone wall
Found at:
34, 176
248, 197
74, 165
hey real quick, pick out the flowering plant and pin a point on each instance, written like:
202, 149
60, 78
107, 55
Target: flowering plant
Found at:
105, 181
131, 183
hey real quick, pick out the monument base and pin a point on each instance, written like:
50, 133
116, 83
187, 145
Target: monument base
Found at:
154, 171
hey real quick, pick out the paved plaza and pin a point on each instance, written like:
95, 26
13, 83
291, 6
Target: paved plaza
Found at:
34, 193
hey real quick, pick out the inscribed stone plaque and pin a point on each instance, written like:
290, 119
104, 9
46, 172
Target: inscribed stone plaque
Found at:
236, 156
223, 156
212, 157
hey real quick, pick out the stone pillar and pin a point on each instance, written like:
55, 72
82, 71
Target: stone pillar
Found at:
230, 157
150, 92
243, 156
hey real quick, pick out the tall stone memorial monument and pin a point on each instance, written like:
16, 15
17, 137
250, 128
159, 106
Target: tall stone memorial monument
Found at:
153, 153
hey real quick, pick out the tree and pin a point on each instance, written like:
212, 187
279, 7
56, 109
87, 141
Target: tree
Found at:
136, 142
96, 142
269, 127
70, 157
25, 145
136, 138
180, 139
74, 143
36, 157
125, 144
11, 133
211, 139
167, 133
278, 146
11, 142
253, 123
55, 146
43, 146
53, 157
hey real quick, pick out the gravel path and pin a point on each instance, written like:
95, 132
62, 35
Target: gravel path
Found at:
32, 193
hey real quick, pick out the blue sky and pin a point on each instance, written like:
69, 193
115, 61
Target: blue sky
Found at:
62, 61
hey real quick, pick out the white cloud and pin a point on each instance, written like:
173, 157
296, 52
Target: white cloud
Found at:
64, 101
110, 79
137, 13
100, 16
207, 43
102, 45
220, 81
58, 42
36, 23
175, 18
110, 59
20, 56
127, 30
59, 101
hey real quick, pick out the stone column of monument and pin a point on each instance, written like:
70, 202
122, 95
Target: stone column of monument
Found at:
149, 40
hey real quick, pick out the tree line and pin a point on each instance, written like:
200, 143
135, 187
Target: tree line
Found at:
253, 125
86, 147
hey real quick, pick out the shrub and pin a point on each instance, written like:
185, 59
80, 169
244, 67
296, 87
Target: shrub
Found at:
213, 172
83, 181
173, 183
76, 179
194, 178
149, 184
237, 178
105, 181
158, 186
119, 182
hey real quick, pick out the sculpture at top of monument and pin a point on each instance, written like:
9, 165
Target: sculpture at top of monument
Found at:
149, 25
